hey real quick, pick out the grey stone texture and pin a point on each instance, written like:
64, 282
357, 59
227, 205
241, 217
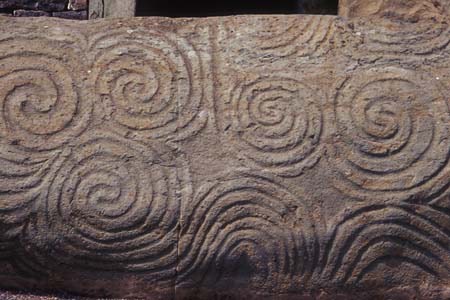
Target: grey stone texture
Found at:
67, 9
247, 157
46, 5
411, 10
74, 15
78, 4
31, 4
112, 9
30, 13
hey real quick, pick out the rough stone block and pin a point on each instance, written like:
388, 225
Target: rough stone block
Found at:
46, 5
30, 13
250, 157
25, 4
406, 9
75, 15
78, 4
52, 5
111, 9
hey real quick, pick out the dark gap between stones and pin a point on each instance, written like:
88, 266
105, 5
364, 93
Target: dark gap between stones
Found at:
198, 8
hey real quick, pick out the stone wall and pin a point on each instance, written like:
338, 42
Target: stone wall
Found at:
68, 9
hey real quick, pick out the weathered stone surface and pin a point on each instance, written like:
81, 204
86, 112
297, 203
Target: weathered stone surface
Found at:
111, 9
255, 157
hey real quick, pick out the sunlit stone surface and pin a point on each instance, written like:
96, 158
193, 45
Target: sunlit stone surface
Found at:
240, 157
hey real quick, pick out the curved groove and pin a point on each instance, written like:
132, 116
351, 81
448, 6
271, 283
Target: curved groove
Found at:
408, 228
304, 37
233, 214
421, 39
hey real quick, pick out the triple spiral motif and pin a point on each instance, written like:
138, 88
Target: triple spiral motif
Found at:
113, 201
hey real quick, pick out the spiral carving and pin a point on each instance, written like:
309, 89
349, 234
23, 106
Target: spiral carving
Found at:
392, 138
245, 230
279, 124
115, 207
41, 103
153, 81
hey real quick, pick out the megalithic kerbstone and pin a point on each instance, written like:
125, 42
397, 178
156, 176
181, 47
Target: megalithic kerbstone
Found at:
247, 157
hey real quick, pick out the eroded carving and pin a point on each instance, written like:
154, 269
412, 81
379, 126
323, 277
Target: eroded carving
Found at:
282, 38
245, 230
368, 237
396, 38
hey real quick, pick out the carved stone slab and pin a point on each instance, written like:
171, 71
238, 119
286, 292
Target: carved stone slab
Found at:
226, 158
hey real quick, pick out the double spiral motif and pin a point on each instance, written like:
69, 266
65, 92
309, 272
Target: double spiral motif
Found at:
42, 107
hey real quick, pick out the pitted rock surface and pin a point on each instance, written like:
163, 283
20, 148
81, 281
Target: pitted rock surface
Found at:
251, 157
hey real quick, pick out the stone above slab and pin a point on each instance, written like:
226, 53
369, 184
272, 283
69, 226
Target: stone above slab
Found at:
111, 8
30, 13
46, 5
395, 9
78, 5
257, 157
